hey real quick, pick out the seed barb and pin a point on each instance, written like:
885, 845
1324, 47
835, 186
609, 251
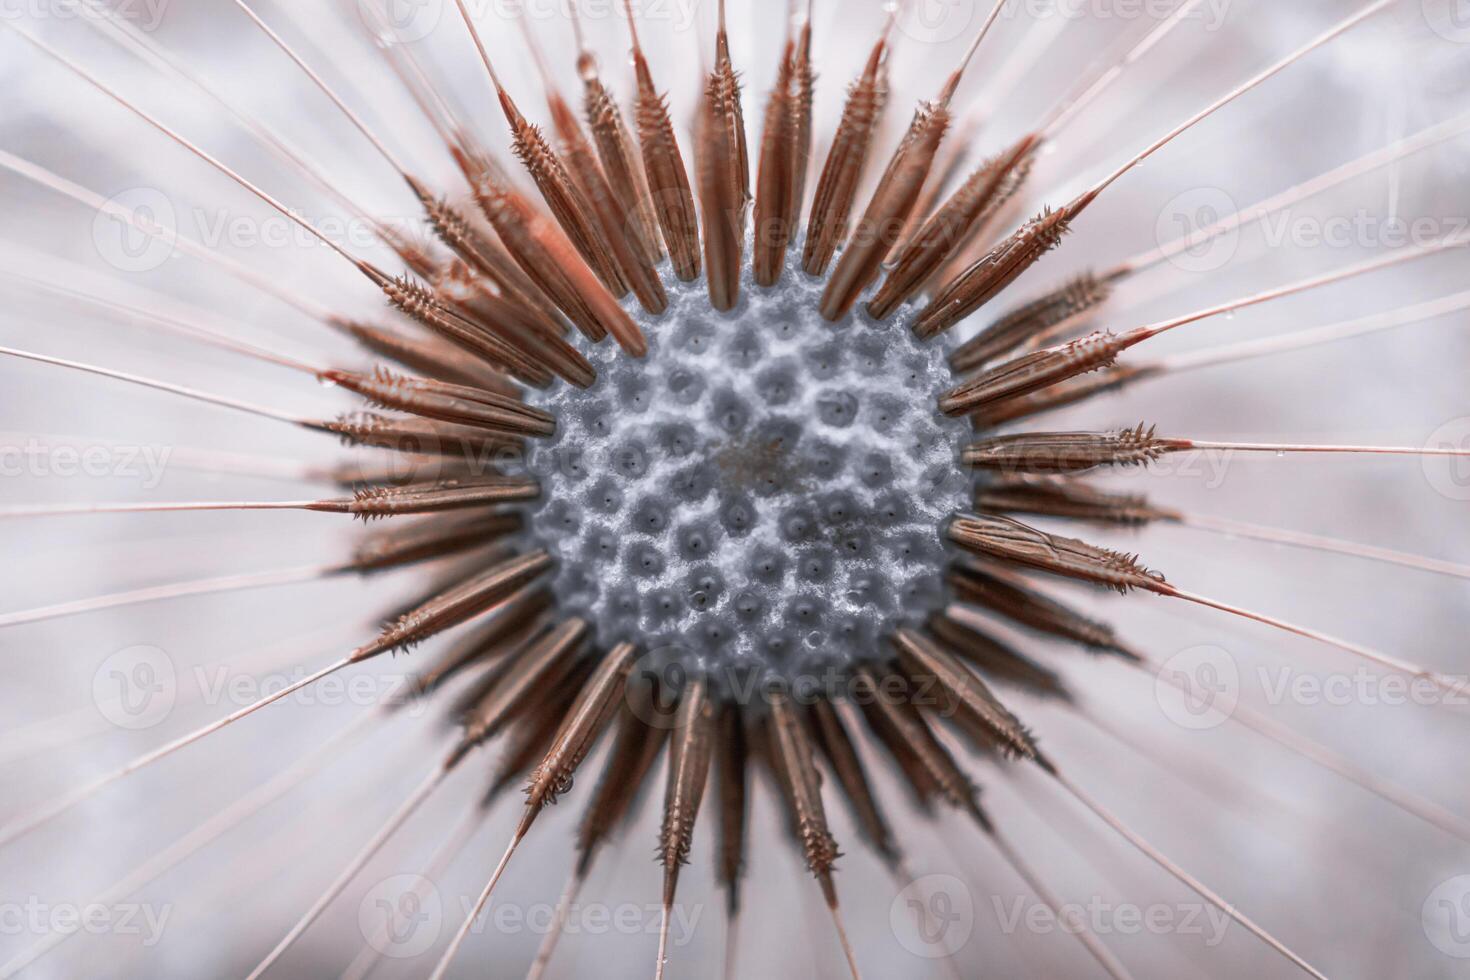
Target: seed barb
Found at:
426, 355
991, 274
836, 745
892, 204
862, 112
890, 711
488, 257
724, 176
416, 436
445, 402
733, 785
539, 666
1066, 452
663, 165
549, 260
457, 604
1017, 602
970, 699
584, 721
793, 756
615, 150
512, 623
632, 261
778, 197
1000, 267
887, 211
635, 267
1034, 372
420, 303
530, 735
566, 200
636, 747
960, 632
435, 537
377, 502
563, 197
1072, 452
804, 83
982, 193
1069, 498
689, 764
1061, 395
589, 716
1008, 540
1067, 303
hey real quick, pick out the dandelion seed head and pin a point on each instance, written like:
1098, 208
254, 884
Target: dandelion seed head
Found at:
761, 490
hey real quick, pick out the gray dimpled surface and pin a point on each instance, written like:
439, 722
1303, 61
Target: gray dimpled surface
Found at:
764, 489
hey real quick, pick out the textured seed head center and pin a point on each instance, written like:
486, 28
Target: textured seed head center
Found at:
760, 496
